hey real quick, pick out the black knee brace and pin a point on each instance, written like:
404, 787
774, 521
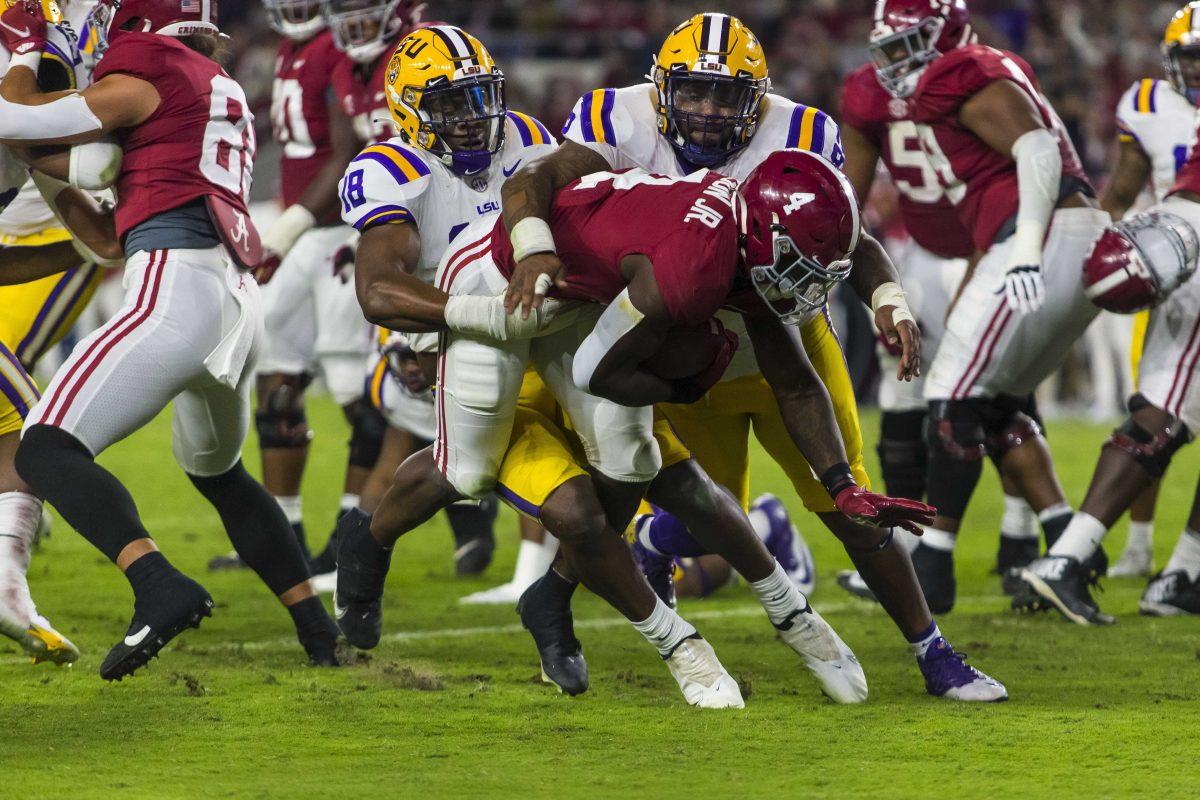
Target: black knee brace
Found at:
903, 454
956, 438
1152, 451
367, 427
281, 420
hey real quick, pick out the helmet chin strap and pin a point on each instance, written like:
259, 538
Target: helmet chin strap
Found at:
469, 162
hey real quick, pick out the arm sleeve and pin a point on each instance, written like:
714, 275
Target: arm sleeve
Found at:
598, 123
385, 184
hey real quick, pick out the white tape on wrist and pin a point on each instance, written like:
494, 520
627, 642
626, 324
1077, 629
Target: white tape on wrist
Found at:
96, 165
1039, 172
485, 316
283, 234
530, 236
542, 285
891, 294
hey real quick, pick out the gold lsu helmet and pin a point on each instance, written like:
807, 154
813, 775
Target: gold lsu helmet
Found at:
713, 58
446, 95
56, 72
50, 10
1181, 41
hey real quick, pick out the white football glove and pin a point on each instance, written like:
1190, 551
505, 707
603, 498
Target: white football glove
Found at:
1024, 290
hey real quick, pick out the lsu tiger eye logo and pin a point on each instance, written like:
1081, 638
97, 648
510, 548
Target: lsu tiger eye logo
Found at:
394, 68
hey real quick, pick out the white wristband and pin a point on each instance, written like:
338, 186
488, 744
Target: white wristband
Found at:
891, 294
1028, 241
283, 234
32, 60
529, 236
96, 165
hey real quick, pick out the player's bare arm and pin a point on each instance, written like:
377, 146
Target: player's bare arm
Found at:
112, 103
527, 196
321, 196
390, 294
1006, 118
876, 281
1129, 176
24, 264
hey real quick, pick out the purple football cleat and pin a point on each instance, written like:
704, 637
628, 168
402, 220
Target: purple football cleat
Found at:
947, 674
784, 542
658, 569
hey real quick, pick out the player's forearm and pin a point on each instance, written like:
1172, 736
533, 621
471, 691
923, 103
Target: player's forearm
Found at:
24, 264
808, 415
1039, 173
872, 268
403, 303
527, 194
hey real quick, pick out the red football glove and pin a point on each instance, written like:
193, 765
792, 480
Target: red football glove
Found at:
690, 390
23, 28
267, 268
881, 511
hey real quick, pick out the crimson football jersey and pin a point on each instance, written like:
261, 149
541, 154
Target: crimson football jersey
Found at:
979, 181
198, 142
685, 226
928, 215
361, 87
300, 109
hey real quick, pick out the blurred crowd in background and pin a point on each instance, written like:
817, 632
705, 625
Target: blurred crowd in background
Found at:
1085, 52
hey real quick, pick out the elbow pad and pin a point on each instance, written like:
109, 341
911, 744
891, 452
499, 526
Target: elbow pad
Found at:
1039, 174
50, 122
95, 166
619, 318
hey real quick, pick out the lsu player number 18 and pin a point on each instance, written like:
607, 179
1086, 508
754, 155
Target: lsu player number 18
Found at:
190, 326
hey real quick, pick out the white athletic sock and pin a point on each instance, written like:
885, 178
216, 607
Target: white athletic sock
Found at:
939, 540
349, 502
20, 514
908, 541
641, 527
1081, 538
664, 628
920, 646
1186, 555
532, 562
778, 595
760, 522
1056, 510
1140, 534
292, 509
1019, 520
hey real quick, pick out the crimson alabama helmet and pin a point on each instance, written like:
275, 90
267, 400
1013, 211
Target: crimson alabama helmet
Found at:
1137, 263
908, 34
110, 18
799, 224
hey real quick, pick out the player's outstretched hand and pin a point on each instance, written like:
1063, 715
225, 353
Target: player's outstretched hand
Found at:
531, 279
903, 339
23, 27
881, 511
1024, 289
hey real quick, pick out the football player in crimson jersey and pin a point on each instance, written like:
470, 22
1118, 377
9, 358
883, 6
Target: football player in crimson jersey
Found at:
1146, 262
1005, 162
1155, 129
311, 314
188, 332
875, 129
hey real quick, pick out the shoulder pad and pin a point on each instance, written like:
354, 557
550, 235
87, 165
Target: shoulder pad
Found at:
592, 118
529, 129
810, 128
383, 184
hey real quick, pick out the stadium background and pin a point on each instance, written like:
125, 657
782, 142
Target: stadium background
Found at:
1085, 52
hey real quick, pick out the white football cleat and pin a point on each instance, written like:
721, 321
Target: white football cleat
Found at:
325, 583
1136, 561
20, 622
49, 644
506, 594
704, 682
825, 654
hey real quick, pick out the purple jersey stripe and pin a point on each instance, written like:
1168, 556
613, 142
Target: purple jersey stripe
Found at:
43, 313
522, 128
585, 118
386, 163
793, 137
818, 138
606, 115
384, 215
518, 502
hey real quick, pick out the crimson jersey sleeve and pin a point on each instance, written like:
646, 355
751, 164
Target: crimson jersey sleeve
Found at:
151, 58
691, 295
960, 74
865, 103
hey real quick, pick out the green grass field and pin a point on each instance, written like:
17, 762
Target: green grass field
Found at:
450, 705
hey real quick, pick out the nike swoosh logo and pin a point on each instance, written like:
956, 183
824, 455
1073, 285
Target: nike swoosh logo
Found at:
16, 31
508, 172
339, 611
140, 636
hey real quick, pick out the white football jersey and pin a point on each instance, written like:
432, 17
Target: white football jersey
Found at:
392, 182
622, 126
1163, 123
22, 210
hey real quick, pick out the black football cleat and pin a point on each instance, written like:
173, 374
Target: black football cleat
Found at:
1061, 583
473, 555
1013, 556
553, 629
362, 568
179, 604
1170, 594
230, 560
935, 572
325, 561
323, 648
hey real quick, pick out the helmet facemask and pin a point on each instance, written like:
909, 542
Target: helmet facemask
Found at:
795, 284
363, 29
296, 19
901, 57
462, 122
709, 117
1161, 238
1182, 65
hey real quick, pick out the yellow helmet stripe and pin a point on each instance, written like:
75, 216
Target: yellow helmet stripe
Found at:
377, 383
1144, 102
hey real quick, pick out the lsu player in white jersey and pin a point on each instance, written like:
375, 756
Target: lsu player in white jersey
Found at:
1155, 130
709, 105
45, 283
